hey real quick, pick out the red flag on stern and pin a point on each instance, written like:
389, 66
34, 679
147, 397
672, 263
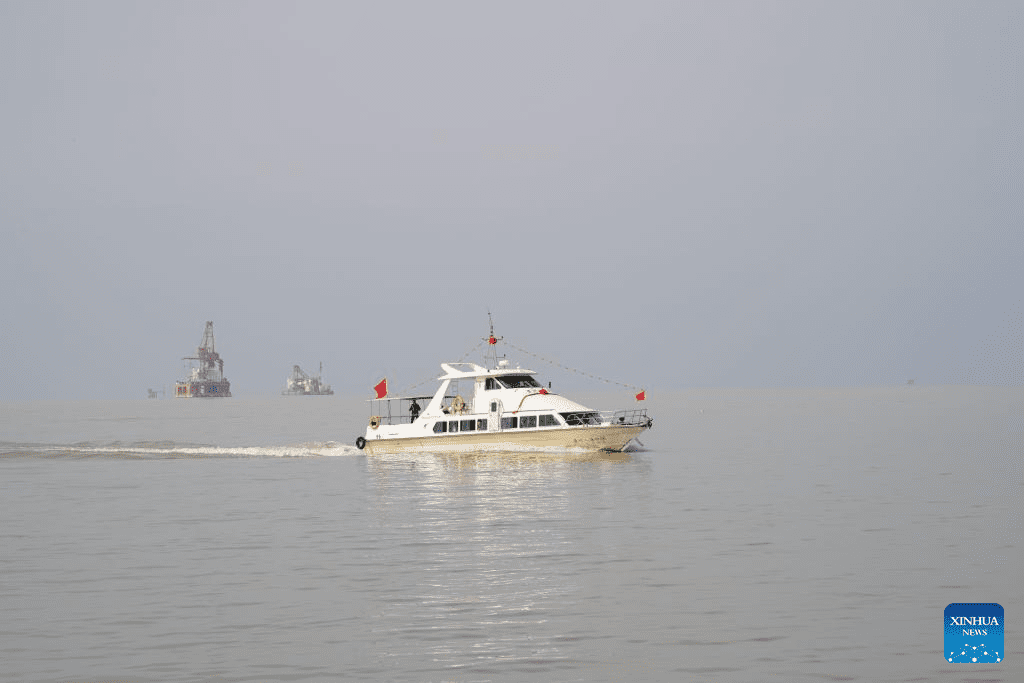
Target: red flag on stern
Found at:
642, 396
382, 388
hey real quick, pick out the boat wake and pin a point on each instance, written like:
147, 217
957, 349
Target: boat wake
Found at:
173, 450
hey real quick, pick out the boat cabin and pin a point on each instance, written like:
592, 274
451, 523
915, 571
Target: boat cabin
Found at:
474, 398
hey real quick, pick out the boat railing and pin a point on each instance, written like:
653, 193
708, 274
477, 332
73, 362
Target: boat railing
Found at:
626, 418
398, 410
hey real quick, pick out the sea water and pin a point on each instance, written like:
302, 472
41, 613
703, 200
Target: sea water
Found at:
784, 534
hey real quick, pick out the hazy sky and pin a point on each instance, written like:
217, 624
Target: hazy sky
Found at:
670, 194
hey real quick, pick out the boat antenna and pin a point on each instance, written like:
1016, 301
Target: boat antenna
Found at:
492, 342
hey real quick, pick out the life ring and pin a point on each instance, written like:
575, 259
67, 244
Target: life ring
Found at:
458, 404
360, 443
375, 422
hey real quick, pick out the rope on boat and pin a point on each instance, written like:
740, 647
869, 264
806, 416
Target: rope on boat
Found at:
578, 372
480, 343
433, 377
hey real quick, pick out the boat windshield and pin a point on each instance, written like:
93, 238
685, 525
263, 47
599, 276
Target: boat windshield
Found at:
518, 382
580, 419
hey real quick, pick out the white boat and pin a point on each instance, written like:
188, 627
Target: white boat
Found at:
497, 408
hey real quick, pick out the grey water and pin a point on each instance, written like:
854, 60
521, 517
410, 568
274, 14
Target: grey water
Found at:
784, 534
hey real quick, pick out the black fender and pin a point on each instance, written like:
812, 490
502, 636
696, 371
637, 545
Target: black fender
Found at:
360, 443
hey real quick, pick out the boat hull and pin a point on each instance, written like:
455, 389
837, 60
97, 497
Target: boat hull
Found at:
598, 438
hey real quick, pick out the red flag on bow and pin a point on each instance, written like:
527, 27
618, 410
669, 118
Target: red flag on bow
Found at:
642, 396
382, 388
543, 391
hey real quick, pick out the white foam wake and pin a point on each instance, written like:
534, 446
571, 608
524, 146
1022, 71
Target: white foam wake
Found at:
307, 450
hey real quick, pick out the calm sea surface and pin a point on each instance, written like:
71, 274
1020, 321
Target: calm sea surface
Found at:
761, 535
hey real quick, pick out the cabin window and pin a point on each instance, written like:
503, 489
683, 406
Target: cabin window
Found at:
468, 426
577, 419
509, 422
548, 421
491, 384
494, 406
528, 421
518, 381
440, 427
481, 425
453, 425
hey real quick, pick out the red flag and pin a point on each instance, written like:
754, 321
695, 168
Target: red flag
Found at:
382, 388
491, 340
642, 396
543, 391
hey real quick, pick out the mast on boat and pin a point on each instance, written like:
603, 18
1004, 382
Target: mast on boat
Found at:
492, 344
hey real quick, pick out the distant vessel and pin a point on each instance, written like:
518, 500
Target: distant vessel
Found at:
506, 409
205, 372
302, 384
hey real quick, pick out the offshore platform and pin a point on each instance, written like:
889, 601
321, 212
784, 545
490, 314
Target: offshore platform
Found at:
301, 383
205, 372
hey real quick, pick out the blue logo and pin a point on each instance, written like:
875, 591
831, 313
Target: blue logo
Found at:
973, 633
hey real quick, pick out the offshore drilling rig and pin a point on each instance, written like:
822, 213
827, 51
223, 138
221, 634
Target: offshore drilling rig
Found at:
301, 383
205, 372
